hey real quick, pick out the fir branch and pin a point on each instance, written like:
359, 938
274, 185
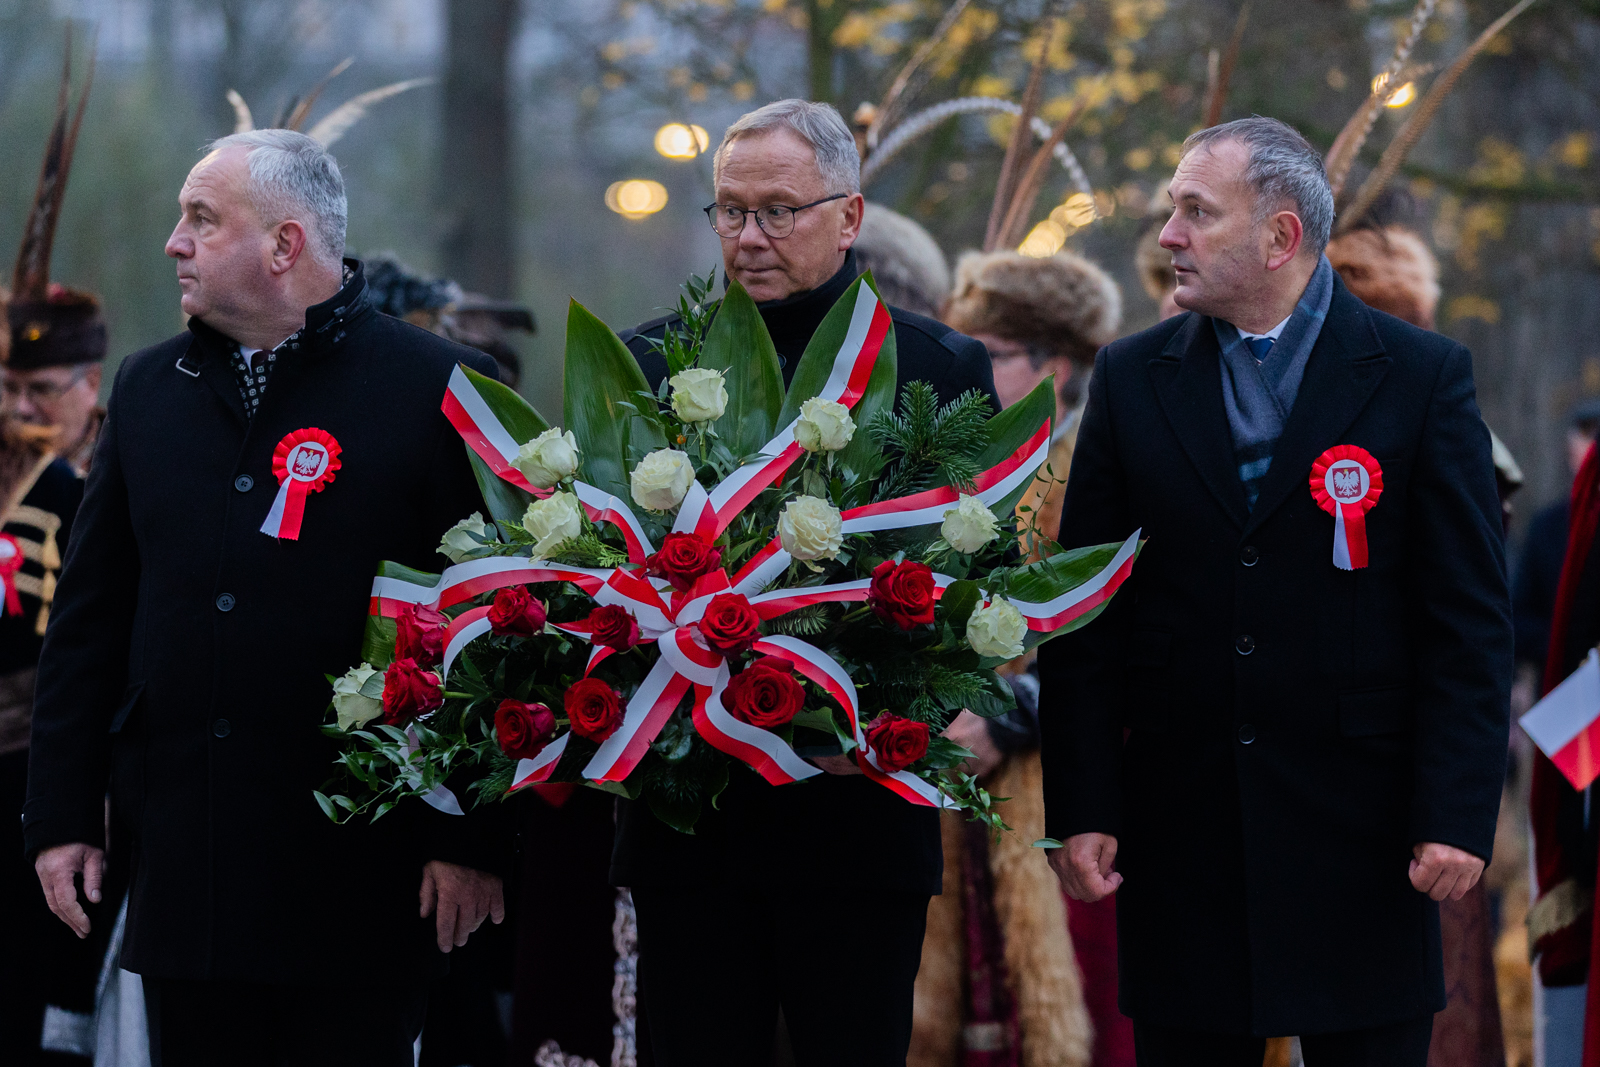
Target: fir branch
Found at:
925, 440
808, 621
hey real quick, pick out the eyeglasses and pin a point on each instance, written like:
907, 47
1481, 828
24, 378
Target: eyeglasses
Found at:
41, 391
775, 221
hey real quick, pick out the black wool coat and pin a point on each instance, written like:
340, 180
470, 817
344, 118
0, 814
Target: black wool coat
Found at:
1292, 729
187, 652
830, 830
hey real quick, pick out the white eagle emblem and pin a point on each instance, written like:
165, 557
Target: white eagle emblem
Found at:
308, 462
1347, 484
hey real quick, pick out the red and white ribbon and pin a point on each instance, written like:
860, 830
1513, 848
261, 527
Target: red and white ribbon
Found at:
1346, 482
304, 463
10, 564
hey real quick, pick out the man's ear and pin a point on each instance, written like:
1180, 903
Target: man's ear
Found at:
288, 241
854, 208
1284, 233
92, 376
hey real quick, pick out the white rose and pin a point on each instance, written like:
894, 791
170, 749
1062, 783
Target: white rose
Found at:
824, 425
698, 395
354, 708
550, 458
661, 479
458, 543
552, 521
997, 629
969, 525
809, 528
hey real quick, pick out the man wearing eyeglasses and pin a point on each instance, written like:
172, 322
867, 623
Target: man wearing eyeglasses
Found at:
732, 920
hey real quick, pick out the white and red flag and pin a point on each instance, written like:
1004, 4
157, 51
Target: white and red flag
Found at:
1566, 724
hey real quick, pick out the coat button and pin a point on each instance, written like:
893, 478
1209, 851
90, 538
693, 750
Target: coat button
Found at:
1245, 643
221, 728
225, 602
244, 483
1247, 734
1248, 555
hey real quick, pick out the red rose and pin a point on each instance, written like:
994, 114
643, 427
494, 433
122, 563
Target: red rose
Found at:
613, 626
419, 634
730, 625
523, 729
516, 611
593, 708
898, 742
683, 558
764, 694
409, 691
902, 593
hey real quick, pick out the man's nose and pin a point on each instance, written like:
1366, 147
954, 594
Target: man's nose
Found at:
178, 244
1171, 235
753, 238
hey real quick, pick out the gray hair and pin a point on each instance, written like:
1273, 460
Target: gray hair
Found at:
294, 177
1283, 169
818, 125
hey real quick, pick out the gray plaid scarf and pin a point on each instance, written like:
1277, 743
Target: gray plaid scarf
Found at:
1259, 396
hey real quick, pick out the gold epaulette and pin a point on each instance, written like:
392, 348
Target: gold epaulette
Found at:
45, 553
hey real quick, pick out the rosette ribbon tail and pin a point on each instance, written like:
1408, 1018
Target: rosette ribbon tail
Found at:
288, 510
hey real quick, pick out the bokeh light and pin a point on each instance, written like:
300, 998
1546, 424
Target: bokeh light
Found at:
1402, 96
1044, 240
677, 140
636, 197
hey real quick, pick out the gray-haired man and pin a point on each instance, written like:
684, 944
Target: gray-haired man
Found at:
1289, 742
731, 919
186, 660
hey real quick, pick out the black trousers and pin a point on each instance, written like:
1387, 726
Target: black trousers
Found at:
715, 965
1395, 1045
245, 1024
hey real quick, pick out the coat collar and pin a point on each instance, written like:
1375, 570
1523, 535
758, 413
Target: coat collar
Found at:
1344, 369
327, 327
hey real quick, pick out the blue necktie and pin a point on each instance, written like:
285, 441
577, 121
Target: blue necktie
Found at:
1259, 347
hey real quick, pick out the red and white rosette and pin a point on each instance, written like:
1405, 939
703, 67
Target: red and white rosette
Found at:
10, 564
304, 463
1346, 482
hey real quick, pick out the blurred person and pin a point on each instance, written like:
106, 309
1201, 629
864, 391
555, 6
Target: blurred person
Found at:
190, 641
50, 357
907, 264
1008, 964
1278, 777
1156, 272
1388, 266
728, 918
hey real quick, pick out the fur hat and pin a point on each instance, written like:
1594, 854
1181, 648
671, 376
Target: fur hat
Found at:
906, 263
1154, 263
1390, 269
1062, 303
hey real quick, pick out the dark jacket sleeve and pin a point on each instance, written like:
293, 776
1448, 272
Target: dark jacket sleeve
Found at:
1081, 673
969, 369
83, 670
1462, 625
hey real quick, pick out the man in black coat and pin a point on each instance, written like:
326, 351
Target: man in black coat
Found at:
1315, 709
188, 650
730, 918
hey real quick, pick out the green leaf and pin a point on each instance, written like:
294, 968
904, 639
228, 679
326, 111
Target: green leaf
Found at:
600, 372
812, 374
958, 603
326, 805
506, 502
518, 416
1049, 578
739, 345
1010, 430
678, 810
1048, 842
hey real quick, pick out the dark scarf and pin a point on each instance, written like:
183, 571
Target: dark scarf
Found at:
793, 320
1259, 396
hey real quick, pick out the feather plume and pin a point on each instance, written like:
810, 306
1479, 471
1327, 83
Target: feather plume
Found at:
1414, 128
1217, 90
928, 119
243, 121
1355, 133
31, 277
1019, 140
901, 87
1016, 220
302, 108
337, 122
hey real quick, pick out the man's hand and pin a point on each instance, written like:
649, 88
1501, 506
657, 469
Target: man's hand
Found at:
972, 733
1441, 871
463, 898
843, 763
57, 868
1083, 865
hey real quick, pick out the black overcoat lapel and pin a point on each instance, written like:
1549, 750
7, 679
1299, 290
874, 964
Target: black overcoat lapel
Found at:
1343, 371
205, 362
1188, 378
